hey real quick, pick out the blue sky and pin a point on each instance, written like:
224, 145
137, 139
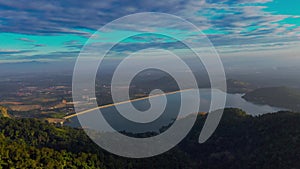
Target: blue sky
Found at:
56, 30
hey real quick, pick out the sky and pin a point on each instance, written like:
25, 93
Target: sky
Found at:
56, 30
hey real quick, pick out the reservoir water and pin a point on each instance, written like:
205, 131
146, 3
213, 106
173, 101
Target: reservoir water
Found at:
118, 122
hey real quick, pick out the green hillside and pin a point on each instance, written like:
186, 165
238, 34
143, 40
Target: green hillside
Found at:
276, 96
240, 141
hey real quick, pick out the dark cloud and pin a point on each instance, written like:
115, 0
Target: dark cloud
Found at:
238, 1
46, 17
73, 44
41, 17
246, 24
69, 16
54, 56
39, 45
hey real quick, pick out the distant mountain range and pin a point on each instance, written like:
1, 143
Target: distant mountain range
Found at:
35, 66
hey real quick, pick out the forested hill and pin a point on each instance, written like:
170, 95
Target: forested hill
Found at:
240, 141
276, 96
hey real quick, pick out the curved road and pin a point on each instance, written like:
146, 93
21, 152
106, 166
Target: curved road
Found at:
123, 102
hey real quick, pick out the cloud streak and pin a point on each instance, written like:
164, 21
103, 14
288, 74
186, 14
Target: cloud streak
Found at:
226, 22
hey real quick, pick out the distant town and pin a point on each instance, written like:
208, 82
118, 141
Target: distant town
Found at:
49, 96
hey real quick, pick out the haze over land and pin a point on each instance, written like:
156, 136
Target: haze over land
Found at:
257, 41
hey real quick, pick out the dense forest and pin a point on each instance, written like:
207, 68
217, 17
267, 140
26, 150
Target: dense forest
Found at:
285, 97
241, 141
